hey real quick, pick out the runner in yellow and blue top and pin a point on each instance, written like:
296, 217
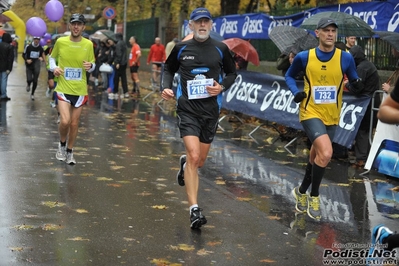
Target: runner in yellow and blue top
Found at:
320, 106
74, 55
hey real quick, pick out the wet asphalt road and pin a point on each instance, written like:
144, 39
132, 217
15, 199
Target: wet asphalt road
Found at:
121, 205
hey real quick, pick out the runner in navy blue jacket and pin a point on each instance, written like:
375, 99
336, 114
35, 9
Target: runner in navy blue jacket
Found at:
206, 69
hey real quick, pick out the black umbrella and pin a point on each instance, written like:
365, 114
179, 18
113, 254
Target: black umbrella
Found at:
348, 25
107, 33
390, 37
288, 38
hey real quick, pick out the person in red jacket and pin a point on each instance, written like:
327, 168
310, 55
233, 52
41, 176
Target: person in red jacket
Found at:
156, 57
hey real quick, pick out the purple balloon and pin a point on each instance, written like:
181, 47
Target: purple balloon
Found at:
47, 36
36, 26
54, 10
43, 42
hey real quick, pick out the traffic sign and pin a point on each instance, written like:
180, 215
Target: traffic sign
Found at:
109, 12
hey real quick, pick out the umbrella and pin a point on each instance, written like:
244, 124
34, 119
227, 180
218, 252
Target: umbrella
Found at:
287, 37
348, 25
214, 35
390, 37
244, 49
103, 35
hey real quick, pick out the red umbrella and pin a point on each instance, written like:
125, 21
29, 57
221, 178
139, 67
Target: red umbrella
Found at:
244, 49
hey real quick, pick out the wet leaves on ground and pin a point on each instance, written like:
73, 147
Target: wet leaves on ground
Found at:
53, 204
78, 238
114, 185
16, 249
51, 227
159, 207
81, 211
104, 179
23, 227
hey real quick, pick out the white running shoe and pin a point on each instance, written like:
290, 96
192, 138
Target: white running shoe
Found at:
69, 158
61, 153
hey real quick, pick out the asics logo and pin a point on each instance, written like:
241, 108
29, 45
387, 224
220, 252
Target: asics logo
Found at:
188, 57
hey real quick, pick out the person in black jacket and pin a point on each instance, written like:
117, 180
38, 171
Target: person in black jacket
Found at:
110, 61
6, 63
103, 58
33, 55
120, 63
371, 80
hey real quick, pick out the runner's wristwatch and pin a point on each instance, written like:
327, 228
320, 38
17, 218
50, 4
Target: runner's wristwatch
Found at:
223, 88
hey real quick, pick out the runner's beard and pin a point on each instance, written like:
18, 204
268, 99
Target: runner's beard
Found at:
202, 37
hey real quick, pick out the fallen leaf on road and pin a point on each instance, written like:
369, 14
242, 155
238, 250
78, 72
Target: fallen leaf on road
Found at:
51, 227
81, 211
186, 247
243, 199
275, 217
114, 185
16, 248
104, 179
116, 167
52, 204
214, 243
159, 207
267, 261
204, 252
144, 193
23, 227
78, 238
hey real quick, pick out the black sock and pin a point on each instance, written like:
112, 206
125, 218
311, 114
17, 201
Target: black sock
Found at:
392, 241
68, 150
63, 143
317, 176
307, 179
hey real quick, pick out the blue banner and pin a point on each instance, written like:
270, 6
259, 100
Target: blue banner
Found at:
267, 97
380, 15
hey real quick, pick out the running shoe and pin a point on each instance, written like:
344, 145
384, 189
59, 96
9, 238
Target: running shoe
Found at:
69, 158
32, 97
301, 204
52, 104
380, 232
180, 174
58, 119
314, 211
27, 88
61, 153
127, 95
197, 219
110, 96
48, 92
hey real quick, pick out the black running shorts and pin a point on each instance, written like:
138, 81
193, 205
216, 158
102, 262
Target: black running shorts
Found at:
134, 69
203, 128
314, 128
